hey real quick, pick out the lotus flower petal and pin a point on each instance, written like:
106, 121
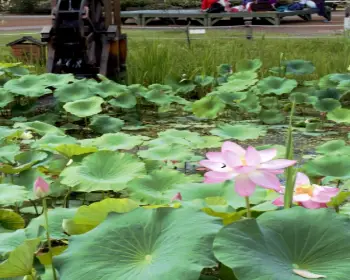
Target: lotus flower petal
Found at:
216, 166
217, 177
233, 147
278, 201
267, 155
252, 157
278, 164
302, 179
232, 159
301, 197
244, 186
215, 156
311, 204
265, 179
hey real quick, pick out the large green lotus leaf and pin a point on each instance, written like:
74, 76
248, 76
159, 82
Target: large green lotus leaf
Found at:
109, 88
71, 150
158, 94
299, 67
117, 141
327, 105
329, 165
10, 240
251, 103
88, 217
208, 107
236, 85
276, 243
333, 80
30, 157
174, 136
333, 146
137, 89
272, 116
56, 217
270, 102
76, 91
339, 115
124, 100
104, 170
344, 86
6, 97
299, 97
239, 131
55, 80
10, 220
9, 133
327, 93
209, 142
139, 245
158, 187
204, 81
29, 85
52, 140
40, 128
8, 153
167, 152
86, 107
12, 194
230, 97
20, 261
276, 85
106, 124
225, 191
249, 65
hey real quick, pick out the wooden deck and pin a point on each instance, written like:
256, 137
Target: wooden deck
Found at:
143, 17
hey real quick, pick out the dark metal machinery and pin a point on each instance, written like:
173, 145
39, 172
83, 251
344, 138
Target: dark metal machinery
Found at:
85, 39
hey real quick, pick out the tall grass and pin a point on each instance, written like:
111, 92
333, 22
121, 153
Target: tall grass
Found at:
152, 56
151, 61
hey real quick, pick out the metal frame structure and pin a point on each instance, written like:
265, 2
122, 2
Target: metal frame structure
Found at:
86, 42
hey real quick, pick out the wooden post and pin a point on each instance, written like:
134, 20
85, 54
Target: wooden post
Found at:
347, 21
249, 30
117, 18
188, 35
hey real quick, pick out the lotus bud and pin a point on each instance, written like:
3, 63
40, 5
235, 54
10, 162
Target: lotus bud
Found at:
177, 197
41, 187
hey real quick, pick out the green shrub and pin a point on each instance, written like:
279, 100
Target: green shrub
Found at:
23, 6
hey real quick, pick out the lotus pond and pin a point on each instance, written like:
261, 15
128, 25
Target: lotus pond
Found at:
232, 176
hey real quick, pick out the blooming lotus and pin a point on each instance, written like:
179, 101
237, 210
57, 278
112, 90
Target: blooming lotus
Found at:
309, 195
248, 168
41, 187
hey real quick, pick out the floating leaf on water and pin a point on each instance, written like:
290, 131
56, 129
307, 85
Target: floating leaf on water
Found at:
57, 81
239, 131
167, 152
327, 105
329, 165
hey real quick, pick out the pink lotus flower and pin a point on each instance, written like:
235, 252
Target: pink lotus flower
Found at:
309, 195
248, 168
41, 187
